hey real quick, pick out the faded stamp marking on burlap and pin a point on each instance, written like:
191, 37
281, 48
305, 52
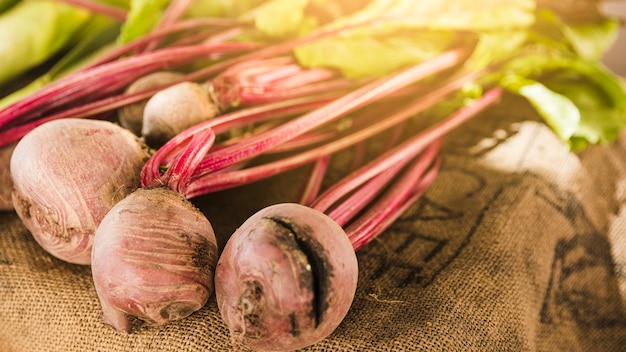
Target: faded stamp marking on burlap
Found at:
577, 259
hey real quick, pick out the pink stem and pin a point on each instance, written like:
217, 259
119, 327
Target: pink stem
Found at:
262, 81
173, 12
159, 33
255, 65
406, 150
197, 37
119, 73
251, 96
396, 133
12, 134
359, 155
314, 183
98, 7
307, 76
329, 112
204, 183
405, 192
305, 141
362, 197
263, 75
177, 177
333, 132
151, 169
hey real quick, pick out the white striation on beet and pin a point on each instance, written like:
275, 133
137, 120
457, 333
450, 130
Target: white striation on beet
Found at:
67, 174
286, 278
174, 109
154, 258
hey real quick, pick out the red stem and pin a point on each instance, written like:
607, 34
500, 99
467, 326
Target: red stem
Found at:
177, 177
151, 169
118, 73
82, 111
156, 34
204, 183
314, 183
173, 12
408, 149
199, 36
362, 197
404, 192
263, 81
376, 90
251, 96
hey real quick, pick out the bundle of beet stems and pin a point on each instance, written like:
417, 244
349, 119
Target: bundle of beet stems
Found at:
287, 276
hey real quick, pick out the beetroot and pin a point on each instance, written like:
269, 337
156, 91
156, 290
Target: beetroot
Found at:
287, 277
131, 116
67, 174
157, 266
174, 109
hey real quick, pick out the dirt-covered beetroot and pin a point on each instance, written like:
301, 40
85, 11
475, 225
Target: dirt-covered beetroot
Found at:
153, 258
6, 184
286, 278
67, 174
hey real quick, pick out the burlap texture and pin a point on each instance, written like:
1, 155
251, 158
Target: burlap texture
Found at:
519, 245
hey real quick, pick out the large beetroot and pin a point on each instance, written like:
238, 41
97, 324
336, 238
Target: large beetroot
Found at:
286, 278
67, 174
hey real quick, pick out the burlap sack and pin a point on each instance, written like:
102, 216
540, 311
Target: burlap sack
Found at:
519, 245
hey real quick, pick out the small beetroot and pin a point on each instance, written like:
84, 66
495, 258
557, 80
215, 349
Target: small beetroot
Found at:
131, 116
175, 109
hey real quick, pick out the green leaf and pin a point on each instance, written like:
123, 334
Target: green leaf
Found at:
221, 8
591, 41
372, 56
477, 15
495, 46
408, 32
588, 40
142, 17
542, 65
580, 100
25, 45
603, 108
279, 18
557, 110
97, 36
